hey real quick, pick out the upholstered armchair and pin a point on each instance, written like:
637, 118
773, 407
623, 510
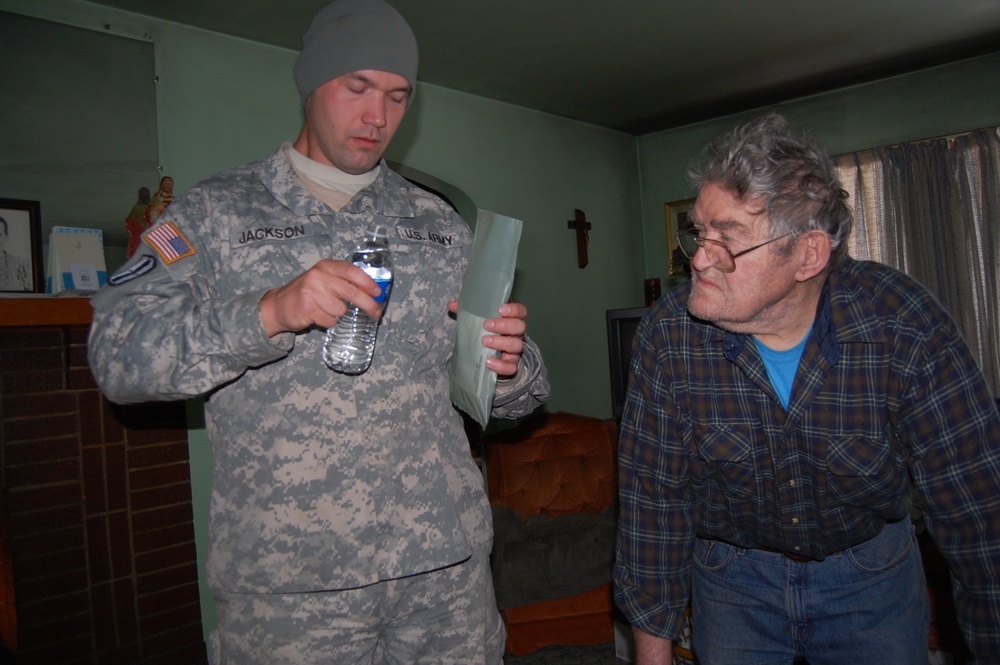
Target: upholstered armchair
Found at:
552, 483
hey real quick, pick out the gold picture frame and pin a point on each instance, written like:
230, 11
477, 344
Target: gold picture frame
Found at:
676, 214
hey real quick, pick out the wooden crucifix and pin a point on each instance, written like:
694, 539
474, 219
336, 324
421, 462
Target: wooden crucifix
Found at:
581, 226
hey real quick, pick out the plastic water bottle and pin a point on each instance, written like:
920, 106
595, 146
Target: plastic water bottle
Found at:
350, 345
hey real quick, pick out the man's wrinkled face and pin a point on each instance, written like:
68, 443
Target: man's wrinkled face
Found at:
741, 300
351, 119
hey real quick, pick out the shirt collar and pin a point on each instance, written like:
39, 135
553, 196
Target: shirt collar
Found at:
387, 195
844, 314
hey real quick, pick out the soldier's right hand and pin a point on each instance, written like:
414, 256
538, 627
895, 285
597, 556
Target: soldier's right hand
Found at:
319, 296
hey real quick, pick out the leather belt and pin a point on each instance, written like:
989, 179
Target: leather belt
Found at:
788, 555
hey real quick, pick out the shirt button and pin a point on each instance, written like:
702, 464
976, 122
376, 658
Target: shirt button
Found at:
795, 520
797, 548
791, 483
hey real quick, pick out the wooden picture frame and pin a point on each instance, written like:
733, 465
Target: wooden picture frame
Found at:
21, 269
676, 214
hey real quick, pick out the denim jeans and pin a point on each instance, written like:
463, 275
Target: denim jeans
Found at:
867, 604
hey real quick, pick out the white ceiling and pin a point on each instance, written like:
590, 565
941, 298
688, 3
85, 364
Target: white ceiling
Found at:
642, 65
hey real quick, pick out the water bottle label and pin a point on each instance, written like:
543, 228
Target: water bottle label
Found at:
384, 285
382, 277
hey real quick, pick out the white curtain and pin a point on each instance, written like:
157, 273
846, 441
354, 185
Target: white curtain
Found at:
932, 209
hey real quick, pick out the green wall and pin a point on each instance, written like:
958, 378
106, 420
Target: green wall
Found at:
930, 103
223, 101
539, 168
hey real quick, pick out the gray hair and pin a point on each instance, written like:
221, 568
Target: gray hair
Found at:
792, 179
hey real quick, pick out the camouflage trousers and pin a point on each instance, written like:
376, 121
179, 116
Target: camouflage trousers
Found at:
446, 616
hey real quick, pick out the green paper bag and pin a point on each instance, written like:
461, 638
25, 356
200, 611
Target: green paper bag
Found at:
486, 287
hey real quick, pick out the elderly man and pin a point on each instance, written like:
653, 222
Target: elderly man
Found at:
784, 409
348, 521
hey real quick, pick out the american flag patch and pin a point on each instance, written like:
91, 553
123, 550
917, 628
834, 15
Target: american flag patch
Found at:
169, 243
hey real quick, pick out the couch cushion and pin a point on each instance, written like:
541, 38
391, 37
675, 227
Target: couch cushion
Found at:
553, 464
550, 557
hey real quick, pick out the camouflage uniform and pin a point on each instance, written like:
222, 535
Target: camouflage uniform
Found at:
444, 617
321, 481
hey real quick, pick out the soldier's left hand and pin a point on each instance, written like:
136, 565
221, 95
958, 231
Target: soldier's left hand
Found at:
507, 338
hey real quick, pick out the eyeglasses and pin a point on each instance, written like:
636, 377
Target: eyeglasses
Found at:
716, 250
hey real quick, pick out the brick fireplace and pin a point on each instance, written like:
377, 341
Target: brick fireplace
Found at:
97, 548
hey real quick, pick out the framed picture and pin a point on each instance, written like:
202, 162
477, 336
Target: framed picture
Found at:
676, 214
21, 247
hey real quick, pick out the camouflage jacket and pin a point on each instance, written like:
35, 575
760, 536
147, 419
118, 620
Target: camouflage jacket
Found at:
320, 480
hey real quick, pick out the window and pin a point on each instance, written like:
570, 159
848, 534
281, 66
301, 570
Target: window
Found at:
932, 209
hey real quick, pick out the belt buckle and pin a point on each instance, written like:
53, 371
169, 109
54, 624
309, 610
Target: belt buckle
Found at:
796, 557
788, 555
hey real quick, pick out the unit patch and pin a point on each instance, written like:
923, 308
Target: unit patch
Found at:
139, 268
169, 243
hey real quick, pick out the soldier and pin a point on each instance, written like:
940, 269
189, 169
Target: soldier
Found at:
348, 521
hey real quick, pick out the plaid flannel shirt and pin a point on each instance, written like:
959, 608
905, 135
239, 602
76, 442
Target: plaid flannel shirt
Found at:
887, 400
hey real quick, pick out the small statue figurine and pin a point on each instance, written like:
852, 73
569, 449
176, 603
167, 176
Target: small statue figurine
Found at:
164, 195
137, 220
146, 210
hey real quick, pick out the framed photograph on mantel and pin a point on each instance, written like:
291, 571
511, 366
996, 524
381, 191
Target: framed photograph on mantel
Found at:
21, 247
677, 222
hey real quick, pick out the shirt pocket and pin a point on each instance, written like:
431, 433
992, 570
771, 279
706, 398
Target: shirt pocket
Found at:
725, 459
426, 277
266, 258
863, 472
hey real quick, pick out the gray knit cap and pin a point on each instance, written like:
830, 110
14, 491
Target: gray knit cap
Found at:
351, 35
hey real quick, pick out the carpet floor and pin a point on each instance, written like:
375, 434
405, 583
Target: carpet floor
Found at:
598, 654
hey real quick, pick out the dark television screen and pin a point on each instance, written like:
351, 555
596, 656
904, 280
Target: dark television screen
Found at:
622, 324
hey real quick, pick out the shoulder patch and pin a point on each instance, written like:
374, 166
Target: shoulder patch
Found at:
169, 243
139, 268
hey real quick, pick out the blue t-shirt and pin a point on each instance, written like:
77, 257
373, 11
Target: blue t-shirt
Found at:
781, 366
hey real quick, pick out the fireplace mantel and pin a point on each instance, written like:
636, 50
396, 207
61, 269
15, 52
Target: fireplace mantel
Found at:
42, 310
